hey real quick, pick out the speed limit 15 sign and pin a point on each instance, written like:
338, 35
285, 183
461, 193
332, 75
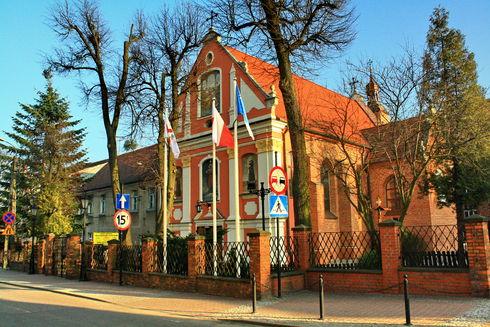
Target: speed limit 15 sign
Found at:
122, 220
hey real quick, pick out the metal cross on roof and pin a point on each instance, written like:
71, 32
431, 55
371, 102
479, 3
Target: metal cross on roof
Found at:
211, 18
353, 85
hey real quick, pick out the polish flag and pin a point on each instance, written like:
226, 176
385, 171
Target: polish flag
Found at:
221, 134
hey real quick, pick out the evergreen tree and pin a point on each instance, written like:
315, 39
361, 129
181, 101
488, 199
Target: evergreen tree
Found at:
49, 149
457, 102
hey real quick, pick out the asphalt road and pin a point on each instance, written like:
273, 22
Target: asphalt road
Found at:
33, 308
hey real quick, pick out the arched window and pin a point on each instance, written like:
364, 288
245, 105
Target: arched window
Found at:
249, 172
178, 183
393, 201
326, 188
210, 88
207, 180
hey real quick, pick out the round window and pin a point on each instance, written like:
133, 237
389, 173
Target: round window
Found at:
209, 58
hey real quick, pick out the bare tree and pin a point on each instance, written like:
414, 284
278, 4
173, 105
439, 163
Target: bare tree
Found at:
408, 143
290, 32
173, 37
86, 48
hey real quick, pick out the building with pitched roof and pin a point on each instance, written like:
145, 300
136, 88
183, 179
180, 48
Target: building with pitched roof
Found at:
213, 75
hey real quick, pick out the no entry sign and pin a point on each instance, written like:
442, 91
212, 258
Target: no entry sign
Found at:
122, 220
278, 181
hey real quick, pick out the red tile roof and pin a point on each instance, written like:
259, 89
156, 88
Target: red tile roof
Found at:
317, 103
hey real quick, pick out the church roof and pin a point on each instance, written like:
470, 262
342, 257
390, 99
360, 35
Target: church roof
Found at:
317, 103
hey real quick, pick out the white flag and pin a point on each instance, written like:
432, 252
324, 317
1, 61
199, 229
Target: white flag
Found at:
169, 133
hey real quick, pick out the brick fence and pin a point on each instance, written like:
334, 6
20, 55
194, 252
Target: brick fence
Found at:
471, 281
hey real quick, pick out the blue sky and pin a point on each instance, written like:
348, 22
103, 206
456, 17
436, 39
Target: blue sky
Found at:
383, 28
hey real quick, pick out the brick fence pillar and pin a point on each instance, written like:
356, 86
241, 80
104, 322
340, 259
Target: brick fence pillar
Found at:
41, 246
48, 254
260, 261
302, 233
148, 251
389, 232
196, 256
478, 246
73, 257
112, 246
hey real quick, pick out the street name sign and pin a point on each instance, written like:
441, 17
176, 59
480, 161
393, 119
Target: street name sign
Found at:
122, 201
278, 206
278, 181
122, 220
8, 218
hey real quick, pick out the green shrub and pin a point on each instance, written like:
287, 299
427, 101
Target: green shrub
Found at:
412, 243
370, 260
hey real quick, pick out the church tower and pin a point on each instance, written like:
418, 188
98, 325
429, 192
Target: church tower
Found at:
372, 93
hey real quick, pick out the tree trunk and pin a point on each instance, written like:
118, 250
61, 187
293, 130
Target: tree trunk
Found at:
301, 193
174, 115
161, 172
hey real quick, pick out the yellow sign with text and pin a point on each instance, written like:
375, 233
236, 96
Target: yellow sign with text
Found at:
103, 237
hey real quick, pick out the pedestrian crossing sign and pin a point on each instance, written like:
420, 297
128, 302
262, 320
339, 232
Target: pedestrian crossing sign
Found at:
278, 205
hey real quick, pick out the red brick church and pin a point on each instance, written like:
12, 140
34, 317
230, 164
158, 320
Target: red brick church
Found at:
214, 72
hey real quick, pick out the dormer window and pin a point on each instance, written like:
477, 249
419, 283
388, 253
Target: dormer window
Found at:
210, 88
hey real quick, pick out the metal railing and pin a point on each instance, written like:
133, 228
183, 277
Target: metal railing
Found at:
131, 258
345, 250
442, 246
59, 256
287, 258
227, 259
176, 261
99, 257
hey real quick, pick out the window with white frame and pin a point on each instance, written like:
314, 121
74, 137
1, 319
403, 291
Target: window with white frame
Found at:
178, 184
134, 201
207, 180
151, 198
89, 208
102, 206
210, 87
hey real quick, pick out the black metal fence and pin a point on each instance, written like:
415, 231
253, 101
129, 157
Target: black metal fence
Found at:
58, 267
345, 250
99, 257
287, 258
228, 259
131, 258
441, 246
176, 261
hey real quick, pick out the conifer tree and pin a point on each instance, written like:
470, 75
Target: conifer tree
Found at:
49, 150
457, 101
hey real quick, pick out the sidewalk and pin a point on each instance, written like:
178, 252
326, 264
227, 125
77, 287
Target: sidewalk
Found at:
296, 309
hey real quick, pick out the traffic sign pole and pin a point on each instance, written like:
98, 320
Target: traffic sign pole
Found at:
278, 259
120, 257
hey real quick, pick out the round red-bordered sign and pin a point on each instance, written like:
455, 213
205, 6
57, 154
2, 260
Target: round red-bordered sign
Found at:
122, 220
278, 180
8, 218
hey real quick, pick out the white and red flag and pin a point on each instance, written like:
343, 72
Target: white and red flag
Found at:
172, 140
221, 134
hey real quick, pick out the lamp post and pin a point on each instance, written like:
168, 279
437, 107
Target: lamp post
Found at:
32, 269
379, 209
83, 274
262, 192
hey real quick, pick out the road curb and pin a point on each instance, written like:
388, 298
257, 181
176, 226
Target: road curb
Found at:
56, 291
256, 323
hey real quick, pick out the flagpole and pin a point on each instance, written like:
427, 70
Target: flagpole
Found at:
215, 229
165, 194
236, 186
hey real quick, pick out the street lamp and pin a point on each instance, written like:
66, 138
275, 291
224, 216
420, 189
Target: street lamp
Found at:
379, 209
32, 269
262, 192
83, 274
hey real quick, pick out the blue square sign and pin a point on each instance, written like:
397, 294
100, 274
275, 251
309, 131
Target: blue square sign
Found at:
278, 205
122, 201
